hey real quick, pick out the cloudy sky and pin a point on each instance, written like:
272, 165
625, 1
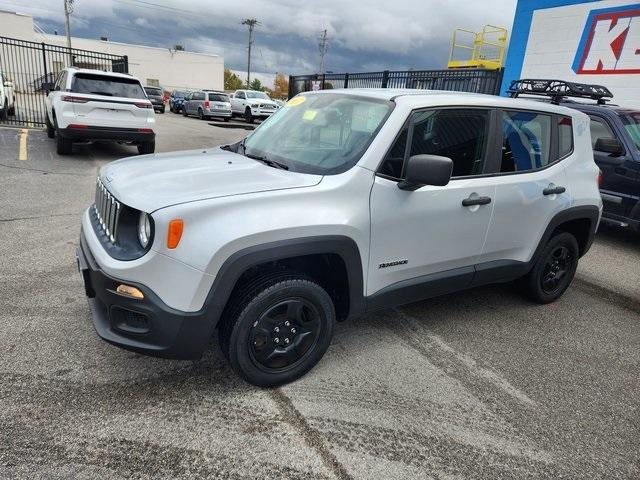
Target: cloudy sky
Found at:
364, 35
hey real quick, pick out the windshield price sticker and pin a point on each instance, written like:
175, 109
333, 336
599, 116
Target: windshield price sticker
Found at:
295, 101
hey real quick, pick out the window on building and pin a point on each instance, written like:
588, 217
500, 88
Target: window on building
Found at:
526, 141
153, 82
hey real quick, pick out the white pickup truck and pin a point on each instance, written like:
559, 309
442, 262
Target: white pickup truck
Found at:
7, 97
252, 104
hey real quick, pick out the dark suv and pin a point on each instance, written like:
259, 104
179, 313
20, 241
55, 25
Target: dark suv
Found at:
615, 138
156, 95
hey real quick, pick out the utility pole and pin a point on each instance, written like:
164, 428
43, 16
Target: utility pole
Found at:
251, 23
323, 46
68, 10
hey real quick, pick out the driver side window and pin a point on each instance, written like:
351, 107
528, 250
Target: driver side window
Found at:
459, 134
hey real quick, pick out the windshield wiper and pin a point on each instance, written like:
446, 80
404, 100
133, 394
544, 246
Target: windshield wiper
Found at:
267, 161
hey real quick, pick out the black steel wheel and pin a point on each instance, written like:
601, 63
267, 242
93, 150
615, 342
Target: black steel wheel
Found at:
277, 328
554, 269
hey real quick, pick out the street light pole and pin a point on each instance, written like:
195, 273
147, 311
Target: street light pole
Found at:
68, 10
251, 23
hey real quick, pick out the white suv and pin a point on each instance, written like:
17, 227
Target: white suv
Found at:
7, 98
252, 104
342, 202
87, 105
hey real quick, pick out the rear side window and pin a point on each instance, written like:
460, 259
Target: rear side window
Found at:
526, 141
565, 136
108, 86
217, 97
153, 91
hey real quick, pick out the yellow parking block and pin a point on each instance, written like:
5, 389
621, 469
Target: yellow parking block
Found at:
24, 134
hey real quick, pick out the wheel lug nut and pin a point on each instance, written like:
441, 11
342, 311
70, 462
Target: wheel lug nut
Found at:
287, 323
276, 340
286, 340
276, 329
293, 330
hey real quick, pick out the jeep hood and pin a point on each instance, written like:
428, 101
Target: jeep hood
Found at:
150, 182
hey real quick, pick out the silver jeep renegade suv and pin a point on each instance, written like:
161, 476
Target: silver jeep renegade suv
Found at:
342, 202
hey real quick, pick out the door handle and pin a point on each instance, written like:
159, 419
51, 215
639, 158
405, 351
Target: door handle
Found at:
471, 201
553, 190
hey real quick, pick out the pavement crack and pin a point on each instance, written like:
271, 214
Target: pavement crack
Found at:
18, 219
312, 437
47, 172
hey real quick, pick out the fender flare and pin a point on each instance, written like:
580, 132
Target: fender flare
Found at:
242, 260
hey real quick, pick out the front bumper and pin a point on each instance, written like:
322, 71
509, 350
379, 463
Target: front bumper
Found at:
147, 325
107, 133
259, 112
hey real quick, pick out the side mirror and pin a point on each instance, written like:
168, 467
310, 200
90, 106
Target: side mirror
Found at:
426, 170
609, 145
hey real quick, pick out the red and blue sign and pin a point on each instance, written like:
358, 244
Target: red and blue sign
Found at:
610, 42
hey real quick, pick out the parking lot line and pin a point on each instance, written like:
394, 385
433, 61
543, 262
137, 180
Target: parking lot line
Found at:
24, 134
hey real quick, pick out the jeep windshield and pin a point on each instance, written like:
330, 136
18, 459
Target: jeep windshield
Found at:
322, 134
631, 122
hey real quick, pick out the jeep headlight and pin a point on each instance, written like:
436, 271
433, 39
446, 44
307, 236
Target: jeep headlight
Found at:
144, 229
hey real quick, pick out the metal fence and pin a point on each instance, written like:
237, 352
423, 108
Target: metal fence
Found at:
31, 69
459, 80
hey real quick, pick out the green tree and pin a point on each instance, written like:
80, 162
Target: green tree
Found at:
256, 85
232, 81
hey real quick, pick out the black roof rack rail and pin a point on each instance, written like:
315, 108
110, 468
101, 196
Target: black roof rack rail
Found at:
558, 89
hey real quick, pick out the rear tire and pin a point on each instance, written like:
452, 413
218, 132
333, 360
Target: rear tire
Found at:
184, 112
554, 270
64, 146
146, 148
277, 328
201, 115
51, 132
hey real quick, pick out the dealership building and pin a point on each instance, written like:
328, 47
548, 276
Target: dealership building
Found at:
169, 68
595, 42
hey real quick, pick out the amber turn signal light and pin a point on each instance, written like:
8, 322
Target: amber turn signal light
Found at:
129, 291
175, 233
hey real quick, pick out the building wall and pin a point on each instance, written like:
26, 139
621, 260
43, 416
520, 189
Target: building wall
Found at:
172, 69
595, 42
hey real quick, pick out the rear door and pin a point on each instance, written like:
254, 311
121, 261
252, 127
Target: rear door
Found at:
531, 182
619, 189
109, 101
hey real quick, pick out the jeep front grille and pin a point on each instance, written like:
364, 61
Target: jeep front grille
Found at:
108, 211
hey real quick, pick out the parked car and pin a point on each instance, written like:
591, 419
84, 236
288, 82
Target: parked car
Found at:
206, 104
175, 101
252, 104
615, 139
347, 201
7, 98
87, 105
156, 95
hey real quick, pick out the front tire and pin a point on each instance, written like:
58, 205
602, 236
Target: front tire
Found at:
277, 328
554, 270
146, 148
248, 116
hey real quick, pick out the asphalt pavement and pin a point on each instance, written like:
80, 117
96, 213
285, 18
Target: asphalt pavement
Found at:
479, 384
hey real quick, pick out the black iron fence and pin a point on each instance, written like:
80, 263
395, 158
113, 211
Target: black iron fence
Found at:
459, 80
31, 68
